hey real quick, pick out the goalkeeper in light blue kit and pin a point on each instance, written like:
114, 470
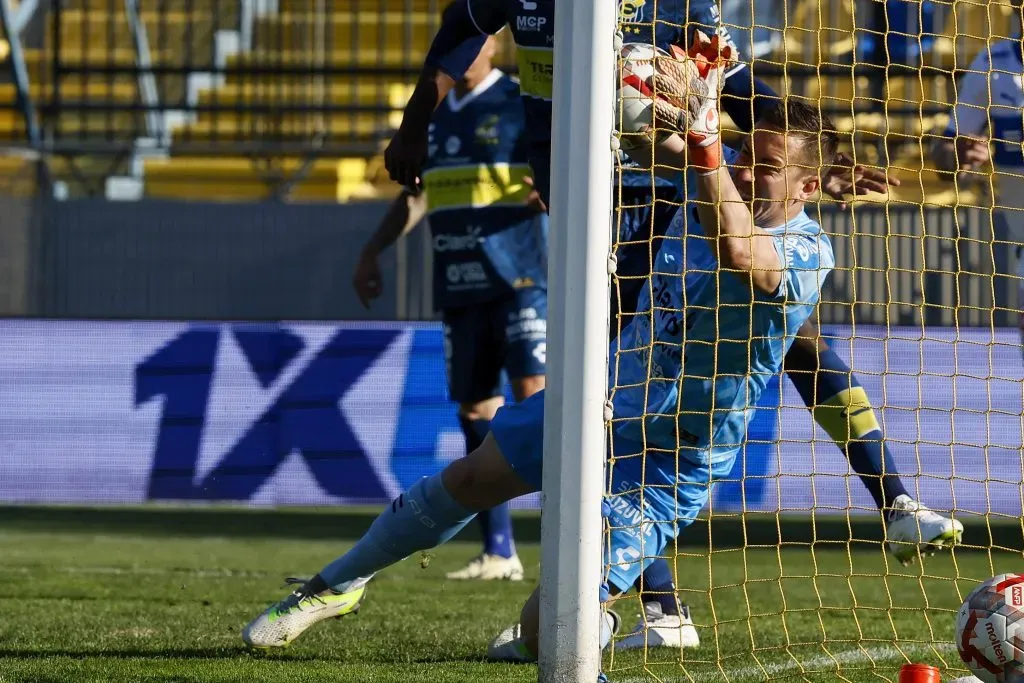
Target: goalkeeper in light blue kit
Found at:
646, 210
731, 297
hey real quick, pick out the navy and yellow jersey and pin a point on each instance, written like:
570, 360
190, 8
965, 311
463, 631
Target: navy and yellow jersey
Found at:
486, 241
532, 23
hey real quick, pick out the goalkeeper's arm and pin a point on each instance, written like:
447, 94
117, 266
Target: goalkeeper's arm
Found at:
743, 248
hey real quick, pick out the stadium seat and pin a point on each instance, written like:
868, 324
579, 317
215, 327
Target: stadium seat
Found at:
245, 179
364, 38
295, 86
970, 28
818, 33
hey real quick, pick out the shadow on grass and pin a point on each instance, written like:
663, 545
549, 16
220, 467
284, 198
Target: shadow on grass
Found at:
349, 523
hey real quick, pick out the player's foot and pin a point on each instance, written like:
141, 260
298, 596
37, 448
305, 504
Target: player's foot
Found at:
282, 623
912, 529
486, 567
657, 629
508, 645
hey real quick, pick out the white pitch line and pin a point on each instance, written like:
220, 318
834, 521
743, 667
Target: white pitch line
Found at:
818, 664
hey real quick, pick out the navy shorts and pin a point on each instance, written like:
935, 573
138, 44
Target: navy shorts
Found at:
482, 340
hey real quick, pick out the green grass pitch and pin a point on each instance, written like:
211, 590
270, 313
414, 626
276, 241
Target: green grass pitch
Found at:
154, 594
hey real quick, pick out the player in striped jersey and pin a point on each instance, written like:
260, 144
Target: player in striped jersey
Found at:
490, 267
986, 127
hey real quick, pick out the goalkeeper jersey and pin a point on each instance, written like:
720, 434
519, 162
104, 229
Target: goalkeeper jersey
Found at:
486, 241
989, 98
687, 377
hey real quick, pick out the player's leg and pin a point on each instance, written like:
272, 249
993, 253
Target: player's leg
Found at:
643, 221
518, 338
475, 347
692, 486
521, 642
498, 559
507, 465
842, 408
665, 621
675, 493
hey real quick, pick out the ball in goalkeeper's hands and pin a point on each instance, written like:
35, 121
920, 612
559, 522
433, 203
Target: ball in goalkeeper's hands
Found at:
636, 99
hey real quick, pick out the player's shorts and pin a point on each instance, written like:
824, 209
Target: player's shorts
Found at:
642, 217
480, 340
673, 495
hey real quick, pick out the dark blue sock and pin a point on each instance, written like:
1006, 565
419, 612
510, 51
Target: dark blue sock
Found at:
496, 527
496, 523
842, 408
657, 585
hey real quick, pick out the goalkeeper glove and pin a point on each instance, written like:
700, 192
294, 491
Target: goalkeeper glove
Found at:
689, 86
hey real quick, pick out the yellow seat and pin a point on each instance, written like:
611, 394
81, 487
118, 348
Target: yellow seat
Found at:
969, 28
817, 33
350, 33
229, 126
308, 92
352, 180
96, 29
398, 96
239, 178
17, 176
74, 89
367, 6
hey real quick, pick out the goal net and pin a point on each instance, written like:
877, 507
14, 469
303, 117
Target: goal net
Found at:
786, 572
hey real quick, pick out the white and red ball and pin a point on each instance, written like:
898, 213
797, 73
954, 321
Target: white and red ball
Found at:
990, 630
636, 105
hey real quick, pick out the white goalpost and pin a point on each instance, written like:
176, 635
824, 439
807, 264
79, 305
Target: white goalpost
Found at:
577, 351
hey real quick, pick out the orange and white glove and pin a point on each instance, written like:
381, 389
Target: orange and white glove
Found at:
688, 87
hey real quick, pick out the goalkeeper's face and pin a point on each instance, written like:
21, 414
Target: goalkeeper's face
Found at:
776, 174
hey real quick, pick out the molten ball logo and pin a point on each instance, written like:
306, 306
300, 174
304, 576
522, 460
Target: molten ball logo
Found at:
997, 644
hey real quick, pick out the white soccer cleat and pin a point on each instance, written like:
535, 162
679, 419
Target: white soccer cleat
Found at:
486, 567
282, 623
508, 646
657, 629
912, 529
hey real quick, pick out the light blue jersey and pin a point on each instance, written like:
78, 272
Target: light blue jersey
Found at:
690, 384
684, 383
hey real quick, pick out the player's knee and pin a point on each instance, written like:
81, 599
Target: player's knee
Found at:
483, 479
525, 387
481, 410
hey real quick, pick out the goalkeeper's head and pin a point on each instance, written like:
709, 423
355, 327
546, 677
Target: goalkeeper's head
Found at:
782, 162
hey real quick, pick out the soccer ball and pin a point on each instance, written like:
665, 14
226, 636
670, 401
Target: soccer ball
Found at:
636, 104
990, 630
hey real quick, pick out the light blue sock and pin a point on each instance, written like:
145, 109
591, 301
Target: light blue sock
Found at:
423, 517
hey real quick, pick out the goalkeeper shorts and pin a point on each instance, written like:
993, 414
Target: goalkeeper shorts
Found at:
651, 499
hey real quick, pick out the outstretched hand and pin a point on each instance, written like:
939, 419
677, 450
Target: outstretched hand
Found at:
846, 178
405, 156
